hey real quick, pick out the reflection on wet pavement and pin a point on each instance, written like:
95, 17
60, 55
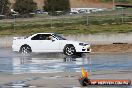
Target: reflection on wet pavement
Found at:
21, 83
29, 64
51, 63
43, 63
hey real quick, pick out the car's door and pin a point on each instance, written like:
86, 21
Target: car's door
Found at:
44, 43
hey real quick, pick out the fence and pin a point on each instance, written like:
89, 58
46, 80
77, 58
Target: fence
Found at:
42, 20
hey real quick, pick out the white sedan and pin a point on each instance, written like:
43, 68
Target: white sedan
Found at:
49, 42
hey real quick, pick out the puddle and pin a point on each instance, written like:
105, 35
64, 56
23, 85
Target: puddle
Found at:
19, 86
21, 83
39, 63
43, 64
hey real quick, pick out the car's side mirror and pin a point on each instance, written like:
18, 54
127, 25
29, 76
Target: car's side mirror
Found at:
53, 40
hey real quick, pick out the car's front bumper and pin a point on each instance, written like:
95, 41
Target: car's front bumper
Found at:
83, 49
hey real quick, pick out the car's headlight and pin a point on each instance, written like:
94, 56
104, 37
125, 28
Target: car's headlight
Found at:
82, 44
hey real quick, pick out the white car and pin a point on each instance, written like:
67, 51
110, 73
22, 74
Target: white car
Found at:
49, 42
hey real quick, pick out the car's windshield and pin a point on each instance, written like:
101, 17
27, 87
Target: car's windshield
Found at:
59, 37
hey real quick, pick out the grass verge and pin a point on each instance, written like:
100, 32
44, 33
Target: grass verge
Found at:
67, 25
72, 29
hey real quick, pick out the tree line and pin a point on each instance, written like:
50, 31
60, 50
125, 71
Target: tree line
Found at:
4, 7
24, 7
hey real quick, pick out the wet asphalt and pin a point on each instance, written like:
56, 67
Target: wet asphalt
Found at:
12, 62
15, 63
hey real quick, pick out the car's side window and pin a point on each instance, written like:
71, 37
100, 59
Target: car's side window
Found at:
42, 37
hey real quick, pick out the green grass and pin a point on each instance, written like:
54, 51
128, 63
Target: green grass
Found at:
68, 25
73, 29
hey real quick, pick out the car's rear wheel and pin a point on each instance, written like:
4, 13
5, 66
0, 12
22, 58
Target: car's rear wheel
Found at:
69, 50
25, 49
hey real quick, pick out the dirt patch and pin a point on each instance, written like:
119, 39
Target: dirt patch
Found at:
111, 48
89, 3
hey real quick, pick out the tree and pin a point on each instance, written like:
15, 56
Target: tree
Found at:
4, 7
56, 5
25, 6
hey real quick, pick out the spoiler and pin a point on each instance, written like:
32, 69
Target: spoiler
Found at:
15, 38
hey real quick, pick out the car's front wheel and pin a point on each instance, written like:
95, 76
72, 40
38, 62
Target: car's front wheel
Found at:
69, 50
25, 49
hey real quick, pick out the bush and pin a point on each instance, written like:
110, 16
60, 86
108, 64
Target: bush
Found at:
57, 5
25, 7
4, 7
